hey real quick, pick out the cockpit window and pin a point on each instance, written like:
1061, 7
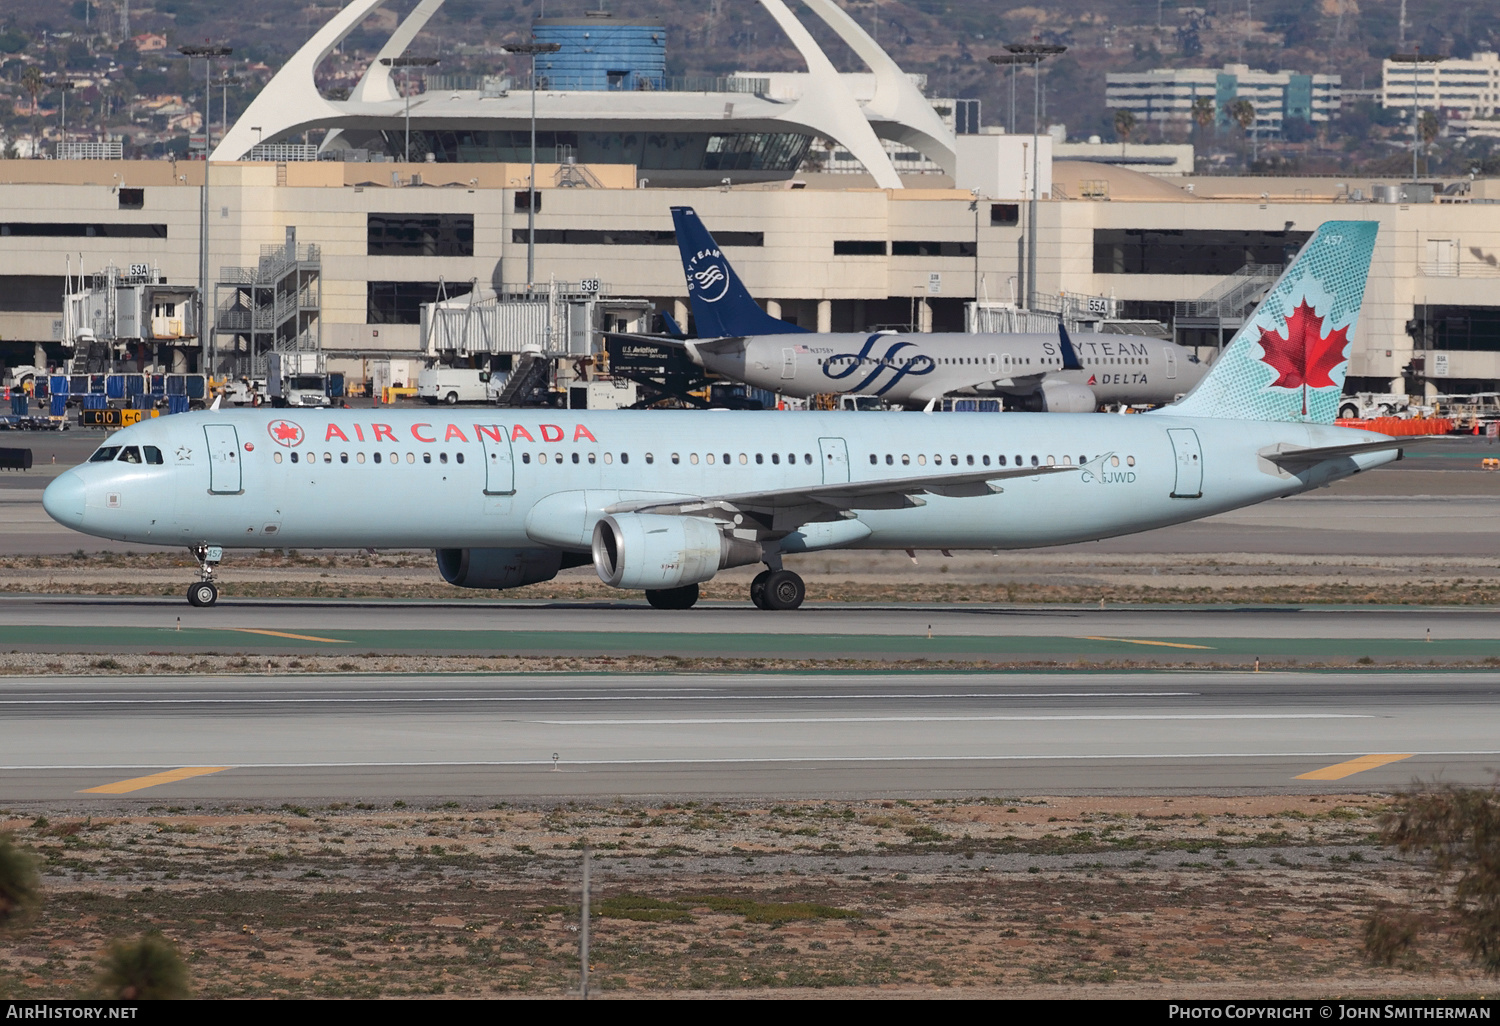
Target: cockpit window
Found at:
153, 455
105, 454
130, 454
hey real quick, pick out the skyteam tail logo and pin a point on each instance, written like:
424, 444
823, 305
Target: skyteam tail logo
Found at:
284, 432
708, 274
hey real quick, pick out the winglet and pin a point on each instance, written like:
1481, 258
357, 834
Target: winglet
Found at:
1069, 355
673, 328
217, 400
722, 306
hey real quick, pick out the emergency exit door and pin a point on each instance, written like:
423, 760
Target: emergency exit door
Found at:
835, 455
1189, 456
499, 469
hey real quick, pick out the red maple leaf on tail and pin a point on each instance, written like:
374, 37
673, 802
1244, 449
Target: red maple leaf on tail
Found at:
1305, 357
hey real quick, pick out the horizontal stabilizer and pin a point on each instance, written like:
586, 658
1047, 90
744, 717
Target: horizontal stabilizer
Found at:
1297, 459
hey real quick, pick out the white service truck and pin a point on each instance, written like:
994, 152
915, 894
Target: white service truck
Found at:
438, 384
297, 379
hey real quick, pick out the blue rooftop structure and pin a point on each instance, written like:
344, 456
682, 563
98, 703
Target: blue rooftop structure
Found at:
602, 53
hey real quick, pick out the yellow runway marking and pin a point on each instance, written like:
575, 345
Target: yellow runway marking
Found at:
1353, 766
139, 783
283, 634
1140, 641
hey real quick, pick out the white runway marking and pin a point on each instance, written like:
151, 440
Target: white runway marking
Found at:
960, 719
693, 697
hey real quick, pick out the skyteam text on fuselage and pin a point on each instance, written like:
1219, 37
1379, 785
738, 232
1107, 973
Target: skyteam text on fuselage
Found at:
660, 501
1047, 372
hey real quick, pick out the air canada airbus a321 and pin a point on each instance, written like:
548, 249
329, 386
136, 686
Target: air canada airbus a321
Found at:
660, 501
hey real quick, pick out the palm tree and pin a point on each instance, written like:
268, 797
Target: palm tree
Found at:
33, 82
147, 969
1242, 112
19, 884
1204, 111
1124, 124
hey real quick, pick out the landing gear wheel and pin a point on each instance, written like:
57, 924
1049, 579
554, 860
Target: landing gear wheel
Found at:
202, 594
673, 598
784, 590
758, 589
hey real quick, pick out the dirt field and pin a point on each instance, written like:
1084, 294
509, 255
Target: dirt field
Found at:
1057, 897
831, 577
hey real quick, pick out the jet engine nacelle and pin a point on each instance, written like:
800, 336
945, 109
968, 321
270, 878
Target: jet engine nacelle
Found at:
502, 568
1062, 397
650, 551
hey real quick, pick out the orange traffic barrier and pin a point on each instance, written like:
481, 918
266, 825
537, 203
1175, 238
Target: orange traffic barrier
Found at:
1491, 463
1397, 427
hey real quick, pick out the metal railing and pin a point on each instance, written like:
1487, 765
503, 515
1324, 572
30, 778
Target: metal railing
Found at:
282, 153
1233, 297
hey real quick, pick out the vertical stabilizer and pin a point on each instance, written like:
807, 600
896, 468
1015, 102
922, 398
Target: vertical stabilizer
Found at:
722, 306
1288, 362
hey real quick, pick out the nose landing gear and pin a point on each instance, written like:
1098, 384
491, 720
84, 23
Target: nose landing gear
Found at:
205, 592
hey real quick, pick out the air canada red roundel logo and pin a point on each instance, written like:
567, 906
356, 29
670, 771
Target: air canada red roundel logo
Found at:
284, 432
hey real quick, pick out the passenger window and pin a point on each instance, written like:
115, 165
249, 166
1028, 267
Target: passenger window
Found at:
776, 457
744, 459
999, 460
360, 457
873, 460
427, 457
1130, 461
693, 458
395, 458
575, 458
791, 458
921, 460
954, 460
525, 457
1051, 461
676, 459
343, 457
609, 458
760, 458
328, 457
1114, 461
1035, 462
624, 457
971, 461
105, 454
709, 457
312, 457
130, 454
1019, 460
726, 459
937, 459
376, 457
411, 457
458, 456
442, 457
1082, 459
276, 457
807, 458
294, 457
987, 460
593, 457
905, 460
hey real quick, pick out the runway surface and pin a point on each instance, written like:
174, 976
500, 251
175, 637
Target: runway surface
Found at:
411, 736
1210, 634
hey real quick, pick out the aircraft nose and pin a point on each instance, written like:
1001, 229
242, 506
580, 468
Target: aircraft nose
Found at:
64, 499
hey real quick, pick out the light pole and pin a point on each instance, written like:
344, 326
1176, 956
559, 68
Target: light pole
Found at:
408, 62
1033, 54
1416, 59
63, 86
531, 50
208, 53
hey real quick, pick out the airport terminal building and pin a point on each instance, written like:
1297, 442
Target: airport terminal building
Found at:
834, 252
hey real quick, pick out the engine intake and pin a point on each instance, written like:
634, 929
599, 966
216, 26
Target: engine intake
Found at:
648, 551
1062, 397
503, 568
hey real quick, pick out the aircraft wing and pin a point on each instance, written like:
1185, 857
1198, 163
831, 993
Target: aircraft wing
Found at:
786, 509
1293, 460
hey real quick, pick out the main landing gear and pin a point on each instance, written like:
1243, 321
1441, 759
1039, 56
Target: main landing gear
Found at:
777, 589
204, 592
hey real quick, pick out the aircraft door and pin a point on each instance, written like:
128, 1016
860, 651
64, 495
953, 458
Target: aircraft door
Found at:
1005, 369
499, 467
224, 477
835, 453
1189, 456
1170, 352
789, 363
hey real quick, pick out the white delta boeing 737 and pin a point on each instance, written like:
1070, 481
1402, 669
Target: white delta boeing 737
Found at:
660, 501
1049, 372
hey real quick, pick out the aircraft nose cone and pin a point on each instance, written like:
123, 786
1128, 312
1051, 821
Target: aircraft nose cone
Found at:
64, 499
